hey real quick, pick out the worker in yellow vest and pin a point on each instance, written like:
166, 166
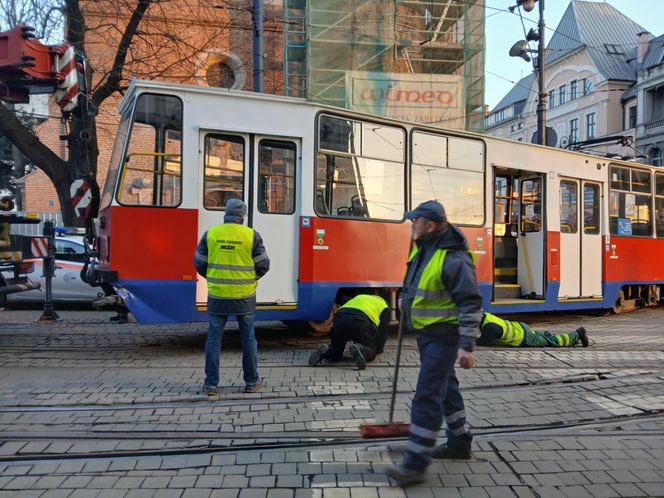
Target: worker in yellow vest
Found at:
232, 258
442, 304
496, 331
364, 321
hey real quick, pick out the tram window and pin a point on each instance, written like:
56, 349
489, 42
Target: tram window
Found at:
591, 209
359, 187
630, 213
466, 154
114, 164
224, 170
152, 169
501, 208
641, 181
383, 142
430, 150
450, 169
659, 216
620, 178
659, 204
360, 170
569, 219
276, 177
531, 205
659, 184
340, 135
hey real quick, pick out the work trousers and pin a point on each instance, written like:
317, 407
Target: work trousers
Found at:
213, 349
540, 339
355, 328
437, 395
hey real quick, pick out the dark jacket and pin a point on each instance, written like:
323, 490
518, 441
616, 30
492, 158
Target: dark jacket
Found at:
460, 280
242, 306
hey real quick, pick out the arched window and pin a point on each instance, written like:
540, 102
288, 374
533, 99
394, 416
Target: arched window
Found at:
224, 70
656, 157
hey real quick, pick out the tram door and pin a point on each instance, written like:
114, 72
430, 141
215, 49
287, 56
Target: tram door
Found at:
531, 237
580, 239
274, 215
267, 187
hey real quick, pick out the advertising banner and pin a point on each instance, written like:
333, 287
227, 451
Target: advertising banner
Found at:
432, 99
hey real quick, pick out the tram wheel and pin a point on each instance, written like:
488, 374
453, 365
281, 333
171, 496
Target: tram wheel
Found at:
619, 305
623, 305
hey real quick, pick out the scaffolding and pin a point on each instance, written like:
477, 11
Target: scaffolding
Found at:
341, 52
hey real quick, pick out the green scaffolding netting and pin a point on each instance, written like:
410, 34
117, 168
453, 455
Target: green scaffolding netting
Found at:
421, 61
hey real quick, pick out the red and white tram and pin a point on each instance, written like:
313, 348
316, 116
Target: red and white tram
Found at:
327, 189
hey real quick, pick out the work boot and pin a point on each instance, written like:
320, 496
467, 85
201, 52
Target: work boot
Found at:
317, 356
356, 353
405, 476
583, 336
121, 317
256, 387
457, 452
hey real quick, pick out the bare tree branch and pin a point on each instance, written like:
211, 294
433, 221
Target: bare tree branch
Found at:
112, 83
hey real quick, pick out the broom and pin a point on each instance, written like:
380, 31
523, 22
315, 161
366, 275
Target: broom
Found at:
391, 428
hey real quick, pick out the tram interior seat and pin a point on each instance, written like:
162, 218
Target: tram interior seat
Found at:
321, 205
357, 208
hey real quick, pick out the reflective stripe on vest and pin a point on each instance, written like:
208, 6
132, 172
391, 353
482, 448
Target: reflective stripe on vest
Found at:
432, 303
372, 306
512, 331
230, 271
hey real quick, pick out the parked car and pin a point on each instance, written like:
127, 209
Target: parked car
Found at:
67, 284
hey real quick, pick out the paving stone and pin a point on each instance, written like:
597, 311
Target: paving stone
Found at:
22, 482
253, 493
209, 481
627, 489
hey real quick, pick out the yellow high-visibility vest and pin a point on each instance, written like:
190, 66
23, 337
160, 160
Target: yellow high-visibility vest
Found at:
372, 306
512, 334
432, 303
231, 273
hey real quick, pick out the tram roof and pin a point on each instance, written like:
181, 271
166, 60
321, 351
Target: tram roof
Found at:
180, 88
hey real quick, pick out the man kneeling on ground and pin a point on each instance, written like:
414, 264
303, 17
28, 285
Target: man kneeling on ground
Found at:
362, 320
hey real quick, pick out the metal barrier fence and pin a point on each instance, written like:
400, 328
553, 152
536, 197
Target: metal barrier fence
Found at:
36, 229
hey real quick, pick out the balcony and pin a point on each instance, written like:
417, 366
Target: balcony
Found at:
651, 128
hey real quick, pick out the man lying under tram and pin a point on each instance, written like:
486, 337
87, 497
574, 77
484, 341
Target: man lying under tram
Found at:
496, 331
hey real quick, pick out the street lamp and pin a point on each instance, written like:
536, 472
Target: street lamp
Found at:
520, 49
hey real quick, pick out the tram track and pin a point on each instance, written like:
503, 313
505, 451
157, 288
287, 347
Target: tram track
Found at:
596, 378
309, 440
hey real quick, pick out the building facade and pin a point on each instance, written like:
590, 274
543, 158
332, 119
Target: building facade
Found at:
649, 96
197, 43
413, 60
590, 64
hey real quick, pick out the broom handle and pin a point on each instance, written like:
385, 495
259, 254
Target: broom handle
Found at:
396, 365
399, 341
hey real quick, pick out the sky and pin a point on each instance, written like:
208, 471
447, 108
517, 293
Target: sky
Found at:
503, 29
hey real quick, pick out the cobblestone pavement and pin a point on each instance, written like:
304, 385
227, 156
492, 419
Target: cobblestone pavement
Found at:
90, 408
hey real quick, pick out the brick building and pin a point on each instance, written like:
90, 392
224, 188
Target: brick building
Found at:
204, 43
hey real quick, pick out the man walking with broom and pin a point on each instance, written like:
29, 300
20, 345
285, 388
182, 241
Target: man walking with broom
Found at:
443, 305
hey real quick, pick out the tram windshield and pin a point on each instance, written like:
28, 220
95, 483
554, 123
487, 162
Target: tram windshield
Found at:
150, 173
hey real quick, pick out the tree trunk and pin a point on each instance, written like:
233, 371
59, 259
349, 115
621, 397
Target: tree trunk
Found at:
54, 167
